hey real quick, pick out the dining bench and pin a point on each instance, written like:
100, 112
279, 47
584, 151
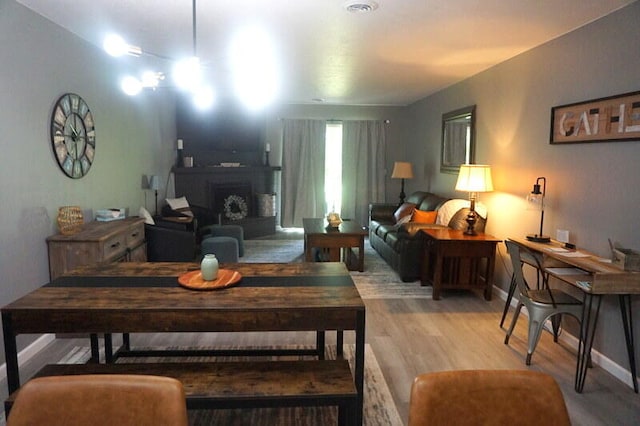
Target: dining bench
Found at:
226, 385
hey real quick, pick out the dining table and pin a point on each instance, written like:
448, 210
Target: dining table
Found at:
151, 297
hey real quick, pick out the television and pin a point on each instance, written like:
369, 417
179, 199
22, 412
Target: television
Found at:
224, 127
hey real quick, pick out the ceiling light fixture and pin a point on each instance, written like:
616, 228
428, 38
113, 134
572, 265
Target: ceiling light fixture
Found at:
187, 73
360, 6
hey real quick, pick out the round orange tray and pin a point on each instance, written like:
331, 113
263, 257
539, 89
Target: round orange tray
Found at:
193, 280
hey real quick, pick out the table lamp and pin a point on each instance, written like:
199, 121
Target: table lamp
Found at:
535, 201
154, 184
474, 178
402, 170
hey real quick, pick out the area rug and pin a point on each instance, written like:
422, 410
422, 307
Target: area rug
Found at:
379, 408
378, 281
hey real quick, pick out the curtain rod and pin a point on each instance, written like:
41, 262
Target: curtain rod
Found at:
386, 120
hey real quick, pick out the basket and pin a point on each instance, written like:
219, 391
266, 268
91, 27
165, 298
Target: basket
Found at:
70, 220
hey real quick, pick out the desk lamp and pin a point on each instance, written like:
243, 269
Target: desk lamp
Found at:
154, 184
474, 178
535, 201
402, 170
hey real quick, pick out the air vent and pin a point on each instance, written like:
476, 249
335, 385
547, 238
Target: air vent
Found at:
360, 6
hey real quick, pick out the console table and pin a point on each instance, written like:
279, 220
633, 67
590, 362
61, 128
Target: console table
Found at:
97, 243
453, 260
595, 278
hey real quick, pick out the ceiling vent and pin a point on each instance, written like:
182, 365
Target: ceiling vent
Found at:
360, 6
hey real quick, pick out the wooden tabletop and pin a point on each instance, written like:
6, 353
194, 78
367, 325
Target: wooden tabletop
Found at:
321, 226
445, 234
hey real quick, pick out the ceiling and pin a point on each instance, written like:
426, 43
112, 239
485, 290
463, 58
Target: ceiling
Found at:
395, 55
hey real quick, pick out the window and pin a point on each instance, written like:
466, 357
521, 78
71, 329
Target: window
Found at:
333, 167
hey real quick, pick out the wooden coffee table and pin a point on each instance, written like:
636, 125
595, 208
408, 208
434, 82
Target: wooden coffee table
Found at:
318, 234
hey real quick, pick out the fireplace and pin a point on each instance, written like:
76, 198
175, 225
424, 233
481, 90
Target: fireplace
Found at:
232, 201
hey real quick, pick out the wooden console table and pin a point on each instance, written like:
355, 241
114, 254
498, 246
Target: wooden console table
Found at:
595, 278
453, 260
97, 243
349, 234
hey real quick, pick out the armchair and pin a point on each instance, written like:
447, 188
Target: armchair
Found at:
166, 244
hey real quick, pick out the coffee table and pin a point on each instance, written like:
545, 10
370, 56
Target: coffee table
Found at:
349, 234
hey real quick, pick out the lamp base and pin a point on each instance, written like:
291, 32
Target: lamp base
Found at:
539, 238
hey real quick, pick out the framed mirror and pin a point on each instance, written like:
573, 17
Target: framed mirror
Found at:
458, 139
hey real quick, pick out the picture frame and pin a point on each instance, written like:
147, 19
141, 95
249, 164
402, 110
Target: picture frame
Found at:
611, 119
458, 139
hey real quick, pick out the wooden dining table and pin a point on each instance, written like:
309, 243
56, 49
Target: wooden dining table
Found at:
147, 298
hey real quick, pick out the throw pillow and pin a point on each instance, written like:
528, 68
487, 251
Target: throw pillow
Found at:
405, 209
424, 217
180, 205
144, 213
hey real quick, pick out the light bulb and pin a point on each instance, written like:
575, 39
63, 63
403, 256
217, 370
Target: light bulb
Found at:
131, 85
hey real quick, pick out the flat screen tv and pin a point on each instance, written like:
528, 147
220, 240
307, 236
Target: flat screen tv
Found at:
224, 127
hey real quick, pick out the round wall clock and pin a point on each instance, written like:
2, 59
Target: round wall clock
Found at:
73, 135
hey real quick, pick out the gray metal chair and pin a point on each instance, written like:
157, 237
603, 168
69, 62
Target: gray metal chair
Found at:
542, 304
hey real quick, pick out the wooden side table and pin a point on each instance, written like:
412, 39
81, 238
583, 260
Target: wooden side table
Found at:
453, 260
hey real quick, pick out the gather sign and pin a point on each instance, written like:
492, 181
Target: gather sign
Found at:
615, 118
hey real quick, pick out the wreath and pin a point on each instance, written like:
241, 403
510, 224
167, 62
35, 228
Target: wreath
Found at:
235, 208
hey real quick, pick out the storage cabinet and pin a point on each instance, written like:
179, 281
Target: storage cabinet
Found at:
97, 243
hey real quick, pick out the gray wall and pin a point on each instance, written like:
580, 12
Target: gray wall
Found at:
40, 62
592, 189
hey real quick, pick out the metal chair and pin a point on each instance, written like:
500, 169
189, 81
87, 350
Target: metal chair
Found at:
542, 304
100, 400
486, 397
541, 280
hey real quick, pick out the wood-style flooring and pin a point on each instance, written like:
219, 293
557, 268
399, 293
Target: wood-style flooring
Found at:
413, 336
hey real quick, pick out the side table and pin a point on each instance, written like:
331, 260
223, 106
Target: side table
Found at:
453, 260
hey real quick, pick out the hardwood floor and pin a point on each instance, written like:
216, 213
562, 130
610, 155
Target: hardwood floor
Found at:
413, 336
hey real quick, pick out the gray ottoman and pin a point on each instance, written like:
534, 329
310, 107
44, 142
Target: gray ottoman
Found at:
234, 231
225, 248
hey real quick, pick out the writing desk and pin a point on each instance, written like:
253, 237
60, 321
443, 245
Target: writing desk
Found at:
595, 278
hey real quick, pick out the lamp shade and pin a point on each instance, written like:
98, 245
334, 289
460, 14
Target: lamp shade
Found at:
474, 178
154, 182
402, 170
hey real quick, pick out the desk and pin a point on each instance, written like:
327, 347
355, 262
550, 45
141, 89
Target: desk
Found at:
601, 279
349, 234
146, 298
452, 260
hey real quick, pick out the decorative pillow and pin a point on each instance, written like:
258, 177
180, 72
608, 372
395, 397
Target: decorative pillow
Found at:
144, 213
459, 221
451, 207
180, 206
405, 209
424, 217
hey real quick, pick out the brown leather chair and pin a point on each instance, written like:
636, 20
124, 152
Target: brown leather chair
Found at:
486, 397
100, 400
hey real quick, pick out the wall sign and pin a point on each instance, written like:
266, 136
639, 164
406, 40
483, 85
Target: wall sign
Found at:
615, 118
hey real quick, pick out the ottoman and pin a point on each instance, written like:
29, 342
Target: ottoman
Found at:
225, 248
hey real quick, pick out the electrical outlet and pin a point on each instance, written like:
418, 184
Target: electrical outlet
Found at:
562, 235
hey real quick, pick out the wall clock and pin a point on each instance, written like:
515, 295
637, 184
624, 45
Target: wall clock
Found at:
73, 135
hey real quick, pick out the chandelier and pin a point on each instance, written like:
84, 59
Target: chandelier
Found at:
187, 73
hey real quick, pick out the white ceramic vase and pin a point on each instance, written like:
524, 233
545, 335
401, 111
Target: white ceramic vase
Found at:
209, 267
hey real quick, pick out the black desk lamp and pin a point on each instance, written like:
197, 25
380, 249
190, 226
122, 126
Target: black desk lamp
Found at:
536, 201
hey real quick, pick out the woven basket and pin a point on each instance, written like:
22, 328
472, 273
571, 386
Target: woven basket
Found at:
70, 220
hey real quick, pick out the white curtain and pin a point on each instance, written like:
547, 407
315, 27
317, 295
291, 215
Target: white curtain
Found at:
303, 145
363, 159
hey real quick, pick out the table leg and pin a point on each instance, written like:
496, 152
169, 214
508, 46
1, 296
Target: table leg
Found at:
108, 348
126, 341
437, 276
627, 324
339, 343
359, 366
320, 340
307, 250
361, 255
10, 354
491, 264
95, 348
590, 312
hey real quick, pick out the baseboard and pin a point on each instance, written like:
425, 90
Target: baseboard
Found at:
607, 364
29, 352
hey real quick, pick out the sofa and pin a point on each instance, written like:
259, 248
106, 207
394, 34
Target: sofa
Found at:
394, 231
